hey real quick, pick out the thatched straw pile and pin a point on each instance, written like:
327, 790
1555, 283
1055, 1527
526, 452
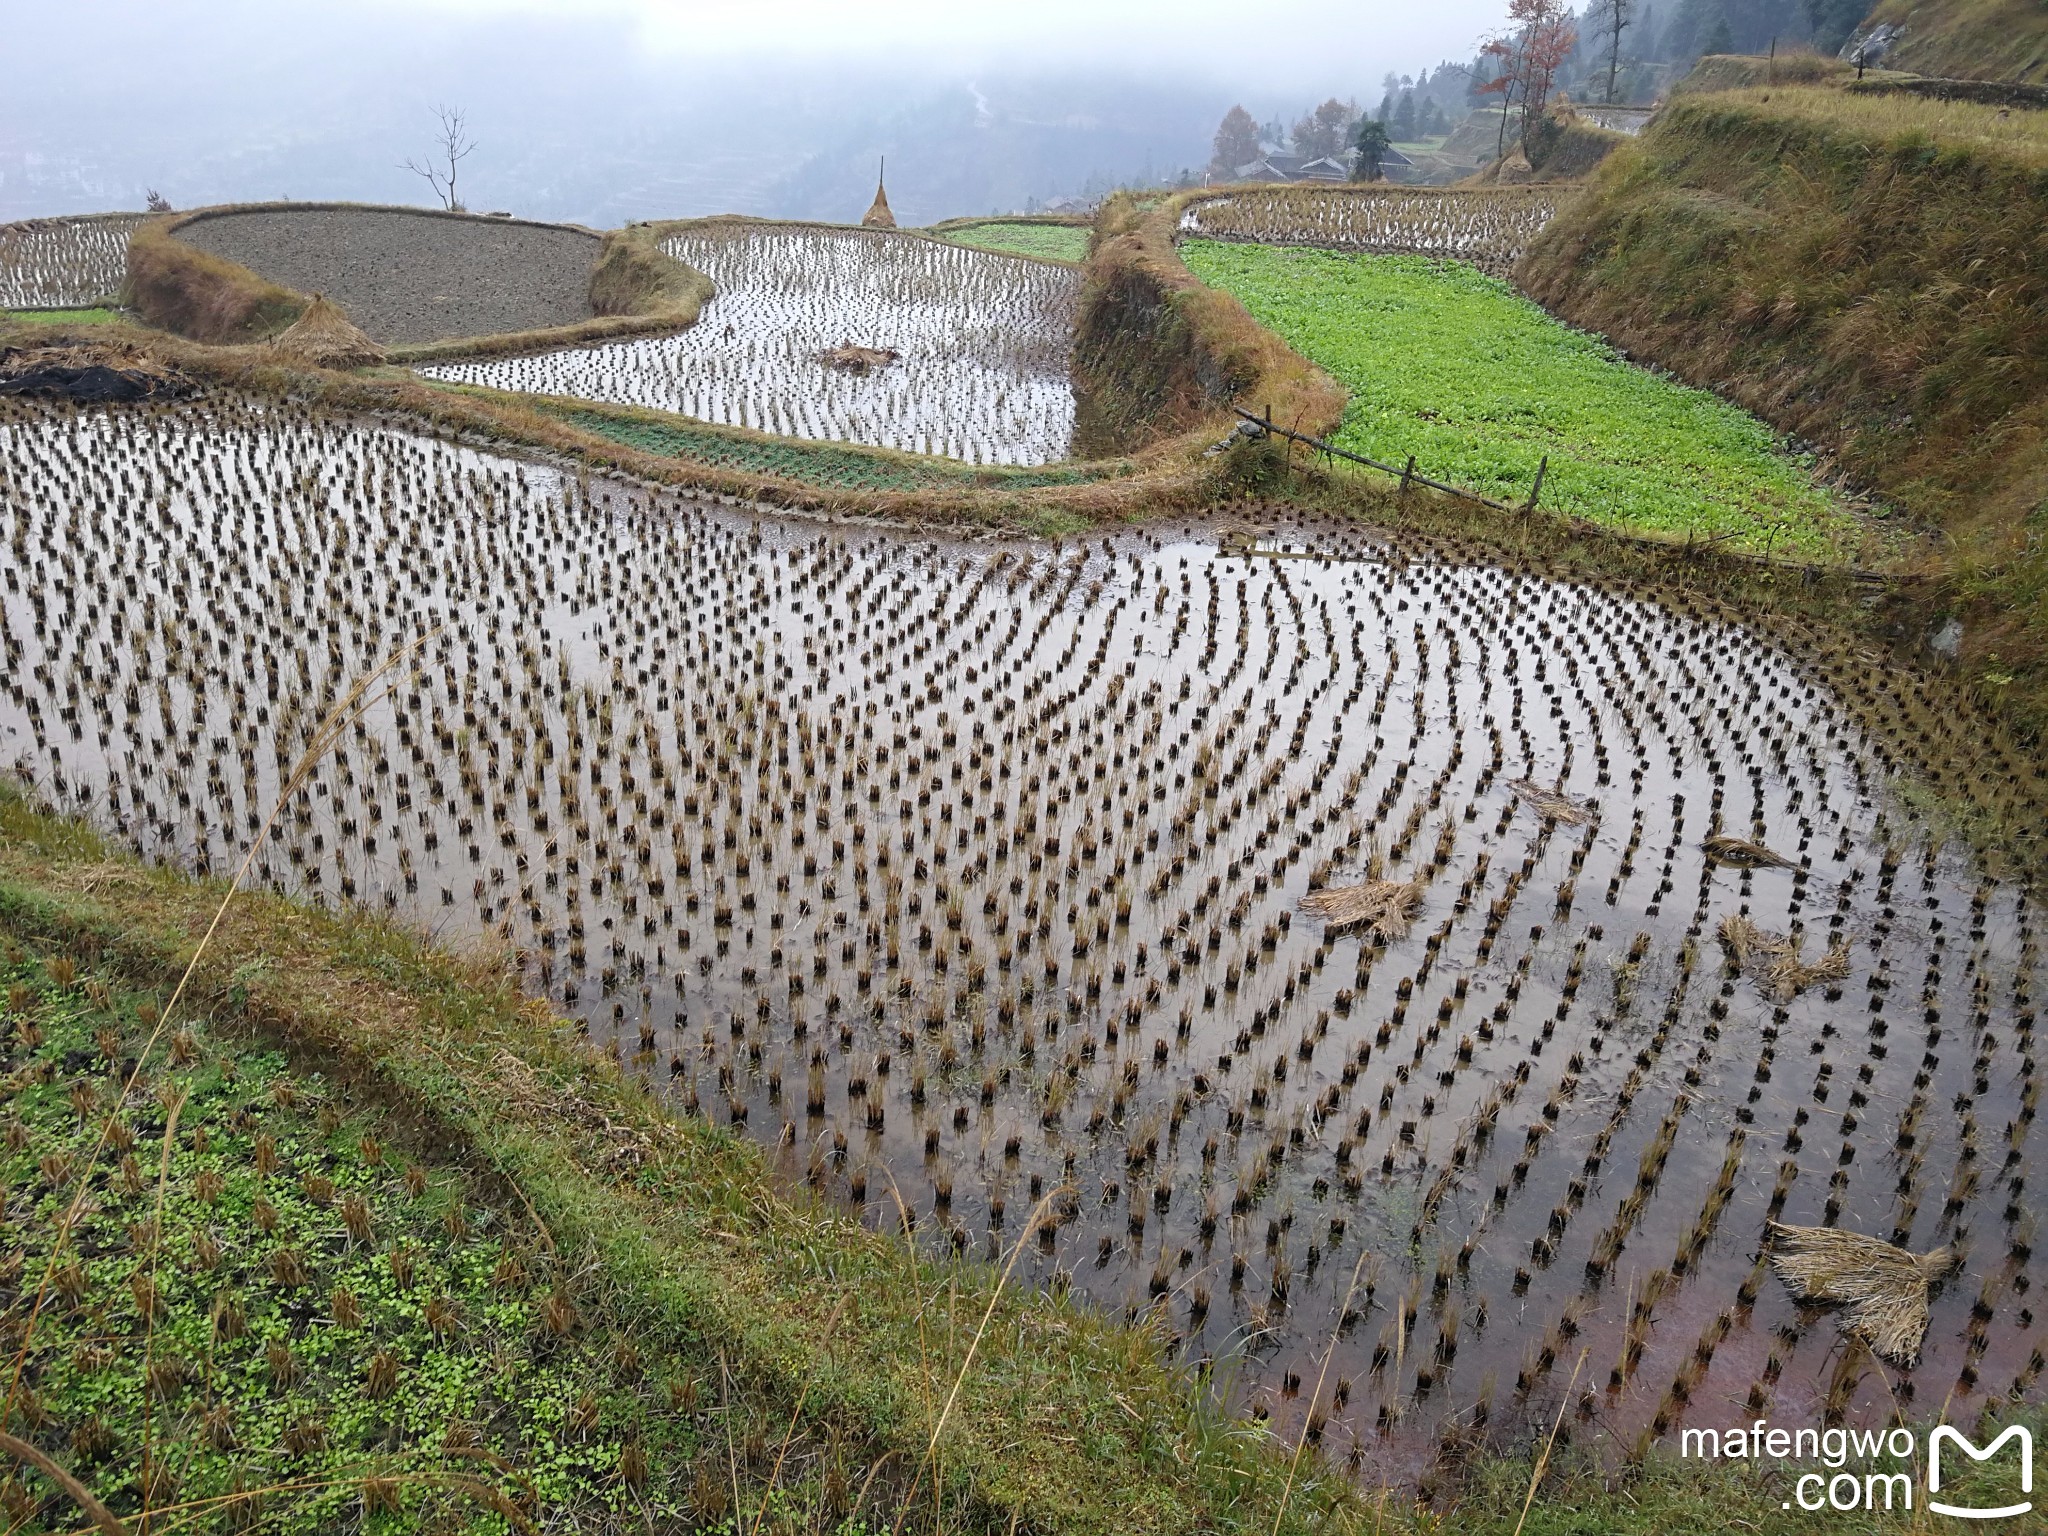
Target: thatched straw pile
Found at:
1558, 807
1722, 849
878, 215
326, 337
1882, 1287
1385, 906
1774, 959
848, 358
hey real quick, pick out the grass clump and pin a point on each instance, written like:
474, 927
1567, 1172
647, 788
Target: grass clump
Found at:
1049, 242
1481, 387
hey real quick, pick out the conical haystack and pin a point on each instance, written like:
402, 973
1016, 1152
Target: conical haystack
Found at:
878, 215
324, 335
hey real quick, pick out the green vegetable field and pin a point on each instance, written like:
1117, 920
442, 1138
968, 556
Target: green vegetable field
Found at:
1480, 385
1055, 242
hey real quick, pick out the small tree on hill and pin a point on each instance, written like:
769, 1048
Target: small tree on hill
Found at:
1236, 143
1372, 144
1527, 56
452, 147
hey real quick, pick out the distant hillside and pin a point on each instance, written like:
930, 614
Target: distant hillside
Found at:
1969, 39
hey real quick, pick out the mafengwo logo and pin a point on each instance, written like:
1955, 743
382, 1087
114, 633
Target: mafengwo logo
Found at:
1943, 1435
1865, 1471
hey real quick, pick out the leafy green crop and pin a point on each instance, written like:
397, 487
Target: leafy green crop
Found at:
1055, 242
1481, 385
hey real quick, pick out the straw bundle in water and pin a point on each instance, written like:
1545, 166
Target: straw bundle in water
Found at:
1774, 959
1743, 854
1559, 807
1385, 906
1882, 1288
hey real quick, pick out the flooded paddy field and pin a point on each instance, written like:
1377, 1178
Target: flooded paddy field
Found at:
1329, 929
64, 262
983, 340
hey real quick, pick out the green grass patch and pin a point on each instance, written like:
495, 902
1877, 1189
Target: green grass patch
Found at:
88, 315
304, 1306
1053, 242
1480, 385
826, 464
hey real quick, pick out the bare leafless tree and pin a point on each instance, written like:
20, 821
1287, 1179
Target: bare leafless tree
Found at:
452, 147
1612, 18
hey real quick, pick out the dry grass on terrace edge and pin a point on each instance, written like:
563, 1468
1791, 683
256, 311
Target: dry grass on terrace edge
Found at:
1899, 120
200, 296
1067, 1422
1163, 357
1734, 71
1157, 482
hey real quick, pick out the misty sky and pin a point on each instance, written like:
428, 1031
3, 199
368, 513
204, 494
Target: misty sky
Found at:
601, 112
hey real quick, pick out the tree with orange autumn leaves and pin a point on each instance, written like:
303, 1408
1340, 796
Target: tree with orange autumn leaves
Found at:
1528, 53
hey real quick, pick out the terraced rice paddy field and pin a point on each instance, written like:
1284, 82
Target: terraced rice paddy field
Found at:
1489, 228
63, 263
1338, 926
983, 339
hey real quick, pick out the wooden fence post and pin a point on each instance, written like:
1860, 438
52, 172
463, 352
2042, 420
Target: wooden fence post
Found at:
1408, 475
1537, 490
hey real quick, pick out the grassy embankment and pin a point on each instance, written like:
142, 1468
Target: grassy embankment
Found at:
1969, 39
1870, 273
1482, 387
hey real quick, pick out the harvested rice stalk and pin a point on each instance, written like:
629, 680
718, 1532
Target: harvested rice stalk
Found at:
1882, 1288
1558, 807
325, 335
1743, 939
1385, 906
1787, 976
1723, 849
1774, 959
